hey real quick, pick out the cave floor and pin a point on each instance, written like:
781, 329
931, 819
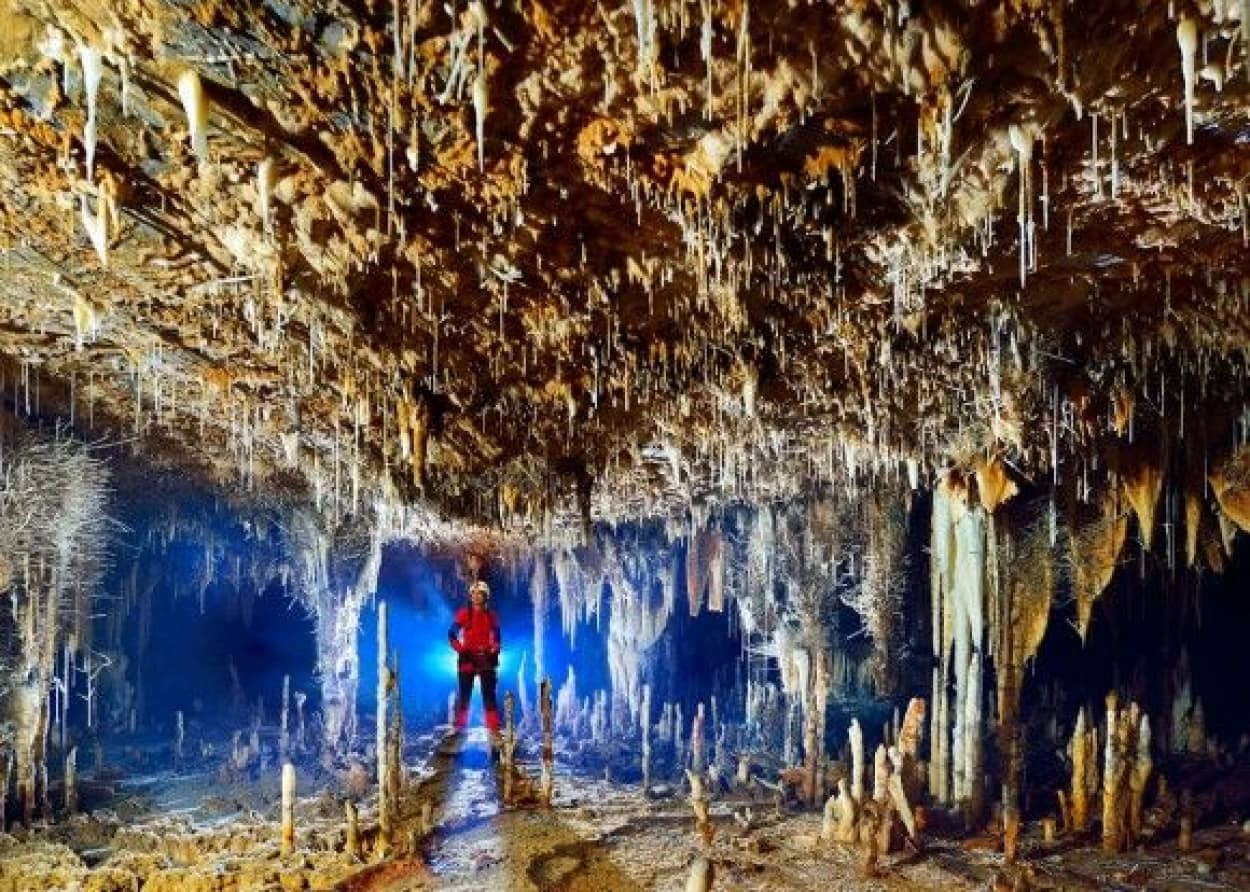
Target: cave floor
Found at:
154, 829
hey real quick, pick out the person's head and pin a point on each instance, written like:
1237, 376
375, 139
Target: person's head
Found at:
478, 593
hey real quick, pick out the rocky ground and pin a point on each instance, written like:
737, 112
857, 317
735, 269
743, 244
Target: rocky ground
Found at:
204, 830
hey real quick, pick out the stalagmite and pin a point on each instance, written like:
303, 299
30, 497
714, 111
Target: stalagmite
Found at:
1084, 748
71, 783
508, 749
6, 780
548, 755
701, 876
880, 774
288, 808
645, 724
698, 740
911, 728
195, 107
1143, 764
395, 747
384, 741
845, 811
898, 796
829, 820
856, 737
1115, 775
381, 740
701, 804
179, 735
352, 832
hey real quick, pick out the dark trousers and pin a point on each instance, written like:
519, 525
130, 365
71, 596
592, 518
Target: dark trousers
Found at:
489, 679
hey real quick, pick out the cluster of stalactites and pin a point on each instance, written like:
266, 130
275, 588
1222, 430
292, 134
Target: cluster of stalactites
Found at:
53, 538
959, 552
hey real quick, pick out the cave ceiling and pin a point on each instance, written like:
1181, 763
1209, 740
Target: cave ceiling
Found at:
527, 261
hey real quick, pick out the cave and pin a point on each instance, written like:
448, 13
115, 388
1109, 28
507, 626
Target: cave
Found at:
666, 444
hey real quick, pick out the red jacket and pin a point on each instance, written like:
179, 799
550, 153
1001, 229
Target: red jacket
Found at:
474, 631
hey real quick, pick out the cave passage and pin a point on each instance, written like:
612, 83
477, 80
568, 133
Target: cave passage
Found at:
824, 426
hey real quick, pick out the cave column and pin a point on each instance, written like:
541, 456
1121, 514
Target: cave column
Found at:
1009, 742
959, 552
338, 618
382, 742
813, 735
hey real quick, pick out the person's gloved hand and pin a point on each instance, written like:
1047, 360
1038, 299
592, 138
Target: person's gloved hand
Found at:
456, 645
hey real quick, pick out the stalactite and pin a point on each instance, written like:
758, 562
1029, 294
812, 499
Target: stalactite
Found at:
696, 572
284, 737
96, 225
179, 737
1187, 40
266, 180
481, 100
300, 741
1230, 482
195, 106
1193, 519
1143, 483
92, 61
538, 598
1095, 552
522, 689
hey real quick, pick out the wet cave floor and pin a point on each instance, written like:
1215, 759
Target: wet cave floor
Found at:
217, 830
